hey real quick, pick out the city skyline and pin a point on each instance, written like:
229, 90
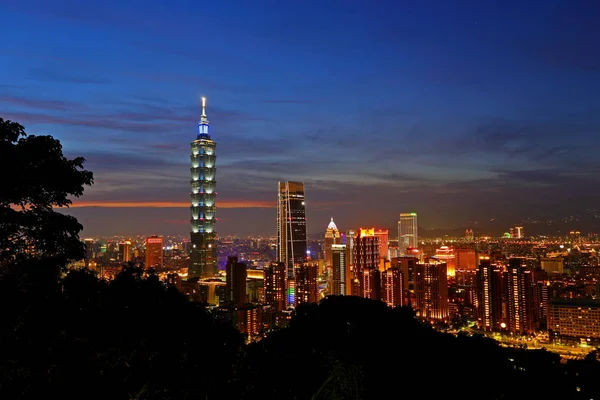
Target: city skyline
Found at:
413, 119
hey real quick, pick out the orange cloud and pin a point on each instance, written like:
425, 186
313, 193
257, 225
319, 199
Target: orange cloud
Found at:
172, 204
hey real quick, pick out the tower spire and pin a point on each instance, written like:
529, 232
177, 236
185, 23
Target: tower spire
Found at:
203, 124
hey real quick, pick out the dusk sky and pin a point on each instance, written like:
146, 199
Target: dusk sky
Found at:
460, 111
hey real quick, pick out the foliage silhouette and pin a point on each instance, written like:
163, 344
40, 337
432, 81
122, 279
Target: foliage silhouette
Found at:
36, 177
81, 337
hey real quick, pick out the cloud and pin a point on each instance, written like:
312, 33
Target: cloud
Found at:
55, 75
287, 101
41, 103
172, 204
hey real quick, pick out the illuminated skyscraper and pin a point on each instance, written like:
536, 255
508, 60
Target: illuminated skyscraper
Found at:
332, 236
154, 252
291, 225
307, 289
407, 232
203, 260
366, 263
383, 235
393, 287
275, 284
520, 298
431, 290
340, 270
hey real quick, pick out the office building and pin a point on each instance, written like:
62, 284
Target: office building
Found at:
552, 265
125, 251
332, 237
291, 225
407, 232
203, 258
383, 235
466, 259
235, 282
574, 320
366, 263
340, 270
154, 252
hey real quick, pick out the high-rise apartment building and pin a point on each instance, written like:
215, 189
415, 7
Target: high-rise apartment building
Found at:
275, 285
407, 232
431, 290
154, 252
340, 270
332, 236
125, 251
521, 309
393, 287
235, 282
291, 225
490, 295
203, 258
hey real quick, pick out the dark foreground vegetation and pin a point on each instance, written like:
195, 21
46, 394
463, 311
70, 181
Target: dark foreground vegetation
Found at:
73, 336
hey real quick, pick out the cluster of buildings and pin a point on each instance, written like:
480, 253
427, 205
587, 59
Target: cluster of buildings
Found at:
510, 284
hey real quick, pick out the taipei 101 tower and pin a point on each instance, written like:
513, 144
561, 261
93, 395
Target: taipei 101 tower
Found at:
203, 260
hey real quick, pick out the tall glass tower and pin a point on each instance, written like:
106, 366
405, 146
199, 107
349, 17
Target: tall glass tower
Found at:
407, 232
203, 260
291, 225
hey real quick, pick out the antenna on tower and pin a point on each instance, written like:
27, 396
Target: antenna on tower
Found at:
203, 106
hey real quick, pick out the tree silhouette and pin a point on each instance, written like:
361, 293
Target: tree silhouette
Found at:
36, 177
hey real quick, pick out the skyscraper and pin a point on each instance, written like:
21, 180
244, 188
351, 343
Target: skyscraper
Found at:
366, 262
383, 235
332, 236
125, 251
203, 260
275, 285
340, 270
407, 232
306, 283
291, 225
154, 252
431, 290
235, 282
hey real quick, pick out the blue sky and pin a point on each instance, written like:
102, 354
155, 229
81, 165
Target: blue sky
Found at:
460, 111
